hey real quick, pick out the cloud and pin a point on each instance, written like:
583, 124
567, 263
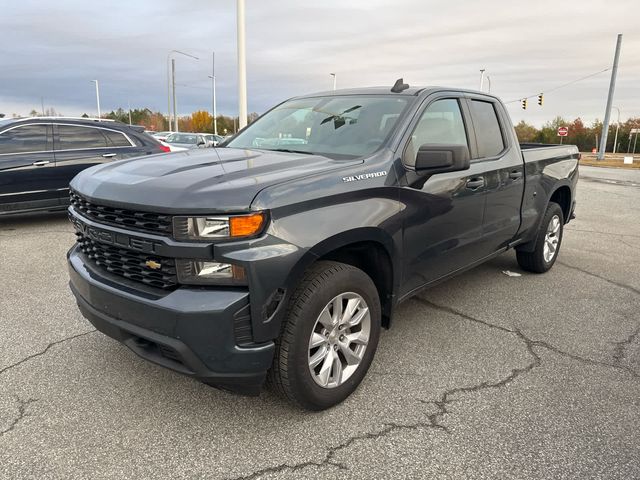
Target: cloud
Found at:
56, 48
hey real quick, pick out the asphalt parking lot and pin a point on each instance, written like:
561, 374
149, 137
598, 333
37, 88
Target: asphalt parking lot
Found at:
485, 376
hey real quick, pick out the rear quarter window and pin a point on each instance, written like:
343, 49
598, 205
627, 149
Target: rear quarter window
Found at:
488, 132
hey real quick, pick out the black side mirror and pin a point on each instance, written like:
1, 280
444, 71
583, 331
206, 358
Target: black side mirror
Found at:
439, 158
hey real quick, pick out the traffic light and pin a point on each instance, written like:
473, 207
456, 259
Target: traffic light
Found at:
540, 98
524, 103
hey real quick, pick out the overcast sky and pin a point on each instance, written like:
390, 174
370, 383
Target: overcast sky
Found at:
53, 49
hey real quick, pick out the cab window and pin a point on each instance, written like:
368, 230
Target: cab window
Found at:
440, 123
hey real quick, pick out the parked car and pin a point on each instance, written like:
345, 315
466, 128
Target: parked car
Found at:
161, 135
212, 139
187, 140
270, 257
40, 155
172, 148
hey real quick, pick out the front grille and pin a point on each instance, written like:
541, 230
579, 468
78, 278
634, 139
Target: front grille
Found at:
120, 217
129, 263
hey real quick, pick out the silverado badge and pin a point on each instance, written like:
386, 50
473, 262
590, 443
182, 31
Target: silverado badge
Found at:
152, 264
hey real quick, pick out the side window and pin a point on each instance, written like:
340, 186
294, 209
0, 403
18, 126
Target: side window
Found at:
116, 139
441, 122
488, 133
24, 139
74, 138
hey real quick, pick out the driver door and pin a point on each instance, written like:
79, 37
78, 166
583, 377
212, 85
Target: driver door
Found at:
444, 211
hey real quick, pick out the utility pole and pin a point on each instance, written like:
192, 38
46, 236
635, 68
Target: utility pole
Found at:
173, 86
607, 113
335, 76
171, 52
242, 67
97, 96
129, 105
481, 78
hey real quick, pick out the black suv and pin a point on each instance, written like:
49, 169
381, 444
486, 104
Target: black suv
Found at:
39, 156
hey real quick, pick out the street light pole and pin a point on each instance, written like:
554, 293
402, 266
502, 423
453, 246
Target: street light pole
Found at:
242, 67
335, 77
173, 86
97, 96
481, 78
615, 139
171, 52
213, 94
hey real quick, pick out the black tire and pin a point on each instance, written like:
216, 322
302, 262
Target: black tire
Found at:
290, 375
535, 261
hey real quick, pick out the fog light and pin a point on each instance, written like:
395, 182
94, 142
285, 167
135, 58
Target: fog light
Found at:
206, 272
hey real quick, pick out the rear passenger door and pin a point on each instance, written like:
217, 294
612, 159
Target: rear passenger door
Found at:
27, 168
503, 169
82, 146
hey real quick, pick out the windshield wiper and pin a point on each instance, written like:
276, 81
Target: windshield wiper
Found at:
287, 150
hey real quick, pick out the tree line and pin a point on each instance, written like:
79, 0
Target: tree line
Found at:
199, 121
585, 137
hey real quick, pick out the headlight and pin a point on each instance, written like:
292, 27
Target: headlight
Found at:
208, 228
206, 272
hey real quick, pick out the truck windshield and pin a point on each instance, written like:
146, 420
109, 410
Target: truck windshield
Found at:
345, 126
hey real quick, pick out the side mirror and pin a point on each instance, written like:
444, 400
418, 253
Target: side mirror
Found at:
440, 158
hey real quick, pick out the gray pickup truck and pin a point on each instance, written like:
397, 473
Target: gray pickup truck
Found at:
280, 255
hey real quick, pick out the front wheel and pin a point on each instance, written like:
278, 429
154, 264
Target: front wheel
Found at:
329, 337
547, 244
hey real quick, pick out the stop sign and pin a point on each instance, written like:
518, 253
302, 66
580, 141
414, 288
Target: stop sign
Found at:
563, 131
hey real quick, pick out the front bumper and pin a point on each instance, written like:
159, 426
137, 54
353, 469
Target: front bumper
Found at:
189, 330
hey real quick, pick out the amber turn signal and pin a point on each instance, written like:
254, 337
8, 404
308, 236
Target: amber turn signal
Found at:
246, 225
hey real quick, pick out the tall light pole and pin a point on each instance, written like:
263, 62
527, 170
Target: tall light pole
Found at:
615, 139
97, 96
335, 76
171, 52
213, 93
612, 87
481, 78
242, 67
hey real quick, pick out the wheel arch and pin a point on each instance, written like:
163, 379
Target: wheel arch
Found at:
371, 250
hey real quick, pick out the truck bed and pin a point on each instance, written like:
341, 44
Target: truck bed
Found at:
535, 152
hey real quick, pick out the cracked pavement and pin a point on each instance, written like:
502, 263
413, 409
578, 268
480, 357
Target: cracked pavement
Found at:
484, 376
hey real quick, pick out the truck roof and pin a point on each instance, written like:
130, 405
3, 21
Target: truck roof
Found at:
386, 90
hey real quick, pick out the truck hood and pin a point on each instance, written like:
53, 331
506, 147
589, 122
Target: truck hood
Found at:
197, 181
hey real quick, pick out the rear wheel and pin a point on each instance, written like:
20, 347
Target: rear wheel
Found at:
329, 336
547, 246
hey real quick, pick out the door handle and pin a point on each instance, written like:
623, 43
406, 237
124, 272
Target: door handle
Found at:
474, 183
516, 174
40, 163
109, 155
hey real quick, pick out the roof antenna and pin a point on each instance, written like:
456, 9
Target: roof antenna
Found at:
399, 86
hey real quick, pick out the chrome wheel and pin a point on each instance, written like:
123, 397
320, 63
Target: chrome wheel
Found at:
551, 239
339, 339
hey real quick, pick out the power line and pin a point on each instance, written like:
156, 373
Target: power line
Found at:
560, 86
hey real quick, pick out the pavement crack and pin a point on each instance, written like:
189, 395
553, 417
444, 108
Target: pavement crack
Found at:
22, 413
620, 350
44, 351
612, 282
530, 344
329, 458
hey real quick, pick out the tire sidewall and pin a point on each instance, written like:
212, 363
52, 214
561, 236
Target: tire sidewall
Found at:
309, 393
552, 210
